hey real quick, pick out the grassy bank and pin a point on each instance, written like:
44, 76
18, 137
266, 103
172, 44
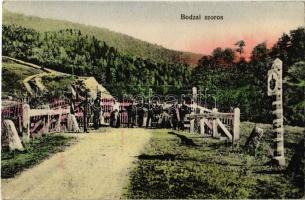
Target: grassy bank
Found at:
36, 151
182, 165
12, 76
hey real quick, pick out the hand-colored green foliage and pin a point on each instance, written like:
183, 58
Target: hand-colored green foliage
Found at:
169, 168
71, 52
295, 92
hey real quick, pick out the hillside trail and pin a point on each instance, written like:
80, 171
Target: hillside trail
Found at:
96, 167
36, 78
35, 82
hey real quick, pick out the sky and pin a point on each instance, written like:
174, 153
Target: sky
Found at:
160, 23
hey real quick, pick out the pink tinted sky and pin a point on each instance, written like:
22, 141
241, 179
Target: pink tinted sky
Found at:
207, 46
160, 23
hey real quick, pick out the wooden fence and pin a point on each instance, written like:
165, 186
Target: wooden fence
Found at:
43, 121
31, 122
53, 116
216, 124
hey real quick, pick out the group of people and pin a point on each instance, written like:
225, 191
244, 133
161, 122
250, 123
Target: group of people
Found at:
150, 114
153, 115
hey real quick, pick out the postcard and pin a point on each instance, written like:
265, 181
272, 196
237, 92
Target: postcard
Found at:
152, 100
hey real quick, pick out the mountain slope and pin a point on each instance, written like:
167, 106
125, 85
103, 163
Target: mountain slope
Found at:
125, 44
21, 77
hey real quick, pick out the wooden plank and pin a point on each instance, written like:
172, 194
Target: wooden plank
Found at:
215, 128
211, 115
192, 126
225, 130
236, 124
26, 123
41, 112
58, 124
208, 124
204, 109
36, 125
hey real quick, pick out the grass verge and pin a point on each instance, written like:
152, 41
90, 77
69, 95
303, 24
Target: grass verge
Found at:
183, 165
37, 150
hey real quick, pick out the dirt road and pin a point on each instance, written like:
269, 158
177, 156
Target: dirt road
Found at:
95, 168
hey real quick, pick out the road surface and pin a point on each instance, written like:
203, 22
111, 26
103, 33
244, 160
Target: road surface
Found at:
96, 167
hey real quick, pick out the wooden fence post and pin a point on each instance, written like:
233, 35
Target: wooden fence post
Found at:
192, 121
236, 124
192, 125
202, 126
201, 123
25, 122
215, 131
58, 125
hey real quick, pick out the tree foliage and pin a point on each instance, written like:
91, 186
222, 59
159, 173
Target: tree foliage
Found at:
72, 52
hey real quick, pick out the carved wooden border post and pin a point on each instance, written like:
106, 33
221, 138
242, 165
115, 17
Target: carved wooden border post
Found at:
275, 89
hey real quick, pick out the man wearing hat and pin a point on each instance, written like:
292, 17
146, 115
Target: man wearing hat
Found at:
132, 114
86, 108
96, 108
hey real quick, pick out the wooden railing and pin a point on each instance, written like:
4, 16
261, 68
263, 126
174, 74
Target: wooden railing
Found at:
43, 121
215, 124
31, 122
51, 119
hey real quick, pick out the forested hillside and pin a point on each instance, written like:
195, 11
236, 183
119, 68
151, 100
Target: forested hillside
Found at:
72, 52
125, 44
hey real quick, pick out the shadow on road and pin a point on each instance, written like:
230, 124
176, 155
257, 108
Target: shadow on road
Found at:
172, 157
184, 140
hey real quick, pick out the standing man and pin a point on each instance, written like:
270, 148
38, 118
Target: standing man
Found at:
175, 115
150, 114
96, 108
158, 114
114, 117
165, 119
183, 111
85, 105
132, 112
140, 112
